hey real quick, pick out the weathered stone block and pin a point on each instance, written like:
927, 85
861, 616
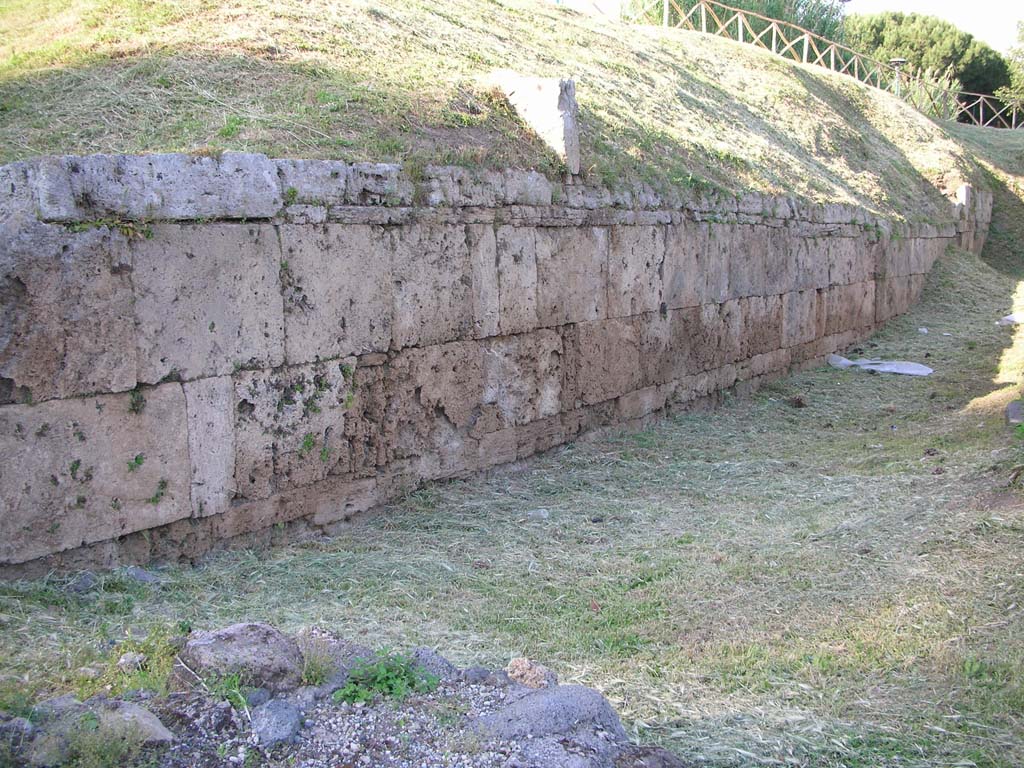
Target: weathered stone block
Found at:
459, 187
378, 184
636, 264
210, 404
318, 182
66, 324
848, 261
761, 329
233, 185
336, 281
811, 263
484, 265
609, 360
90, 469
290, 426
780, 262
517, 279
849, 307
747, 259
706, 337
207, 300
523, 376
687, 266
432, 278
572, 274
803, 317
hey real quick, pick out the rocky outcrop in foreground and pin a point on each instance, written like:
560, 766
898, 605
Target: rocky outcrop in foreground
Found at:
251, 693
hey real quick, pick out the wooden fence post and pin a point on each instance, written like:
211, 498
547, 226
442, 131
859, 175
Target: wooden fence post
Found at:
807, 43
664, 14
703, 17
775, 37
739, 27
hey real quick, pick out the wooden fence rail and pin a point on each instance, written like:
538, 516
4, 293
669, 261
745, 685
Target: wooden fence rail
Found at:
793, 42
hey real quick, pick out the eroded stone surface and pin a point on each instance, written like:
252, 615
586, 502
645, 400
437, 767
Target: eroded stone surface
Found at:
337, 291
572, 270
210, 404
66, 324
90, 469
207, 300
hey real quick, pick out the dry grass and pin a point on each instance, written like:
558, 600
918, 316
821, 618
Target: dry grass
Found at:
834, 585
398, 80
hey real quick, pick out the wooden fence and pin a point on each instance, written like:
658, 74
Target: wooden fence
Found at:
796, 43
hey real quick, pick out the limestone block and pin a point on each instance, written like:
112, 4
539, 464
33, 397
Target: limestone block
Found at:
336, 499
642, 402
548, 106
233, 185
572, 272
483, 255
687, 266
526, 188
706, 337
803, 317
848, 261
496, 448
320, 182
207, 300
780, 262
517, 279
609, 360
66, 324
449, 379
811, 263
717, 263
378, 184
658, 361
539, 436
336, 281
747, 260
290, 426
849, 307
459, 187
432, 278
523, 376
636, 263
761, 325
210, 405
90, 469
924, 253
17, 198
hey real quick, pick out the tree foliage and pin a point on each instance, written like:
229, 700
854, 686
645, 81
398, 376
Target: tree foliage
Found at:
1014, 92
929, 43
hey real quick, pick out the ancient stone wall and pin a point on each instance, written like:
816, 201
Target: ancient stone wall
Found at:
196, 350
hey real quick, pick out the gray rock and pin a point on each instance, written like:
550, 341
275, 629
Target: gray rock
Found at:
141, 575
568, 710
83, 582
475, 675
262, 655
48, 749
17, 730
275, 722
121, 715
257, 697
434, 663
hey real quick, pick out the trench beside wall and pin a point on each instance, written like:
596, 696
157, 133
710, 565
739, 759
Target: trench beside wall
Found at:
196, 350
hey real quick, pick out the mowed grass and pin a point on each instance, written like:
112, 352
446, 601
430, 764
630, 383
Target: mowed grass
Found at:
840, 584
402, 80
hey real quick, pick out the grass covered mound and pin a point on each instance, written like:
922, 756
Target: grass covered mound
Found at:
400, 80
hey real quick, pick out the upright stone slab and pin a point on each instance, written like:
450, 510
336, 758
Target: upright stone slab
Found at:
336, 280
432, 278
91, 469
572, 274
66, 324
207, 300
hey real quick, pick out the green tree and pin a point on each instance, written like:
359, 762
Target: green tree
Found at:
1014, 92
929, 43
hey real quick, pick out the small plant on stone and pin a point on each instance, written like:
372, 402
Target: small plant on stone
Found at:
136, 401
135, 463
90, 746
391, 675
308, 444
161, 491
291, 195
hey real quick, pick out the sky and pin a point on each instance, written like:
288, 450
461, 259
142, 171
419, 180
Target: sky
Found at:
994, 21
